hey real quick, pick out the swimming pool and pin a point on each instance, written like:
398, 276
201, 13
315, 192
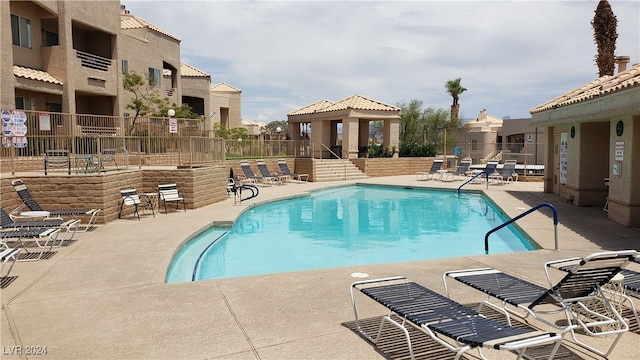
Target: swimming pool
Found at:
345, 226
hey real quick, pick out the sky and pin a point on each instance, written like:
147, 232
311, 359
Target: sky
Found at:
283, 55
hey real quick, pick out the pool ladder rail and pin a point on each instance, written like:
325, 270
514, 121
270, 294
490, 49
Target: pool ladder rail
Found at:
555, 224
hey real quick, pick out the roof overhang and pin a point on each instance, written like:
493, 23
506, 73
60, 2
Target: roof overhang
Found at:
602, 108
38, 86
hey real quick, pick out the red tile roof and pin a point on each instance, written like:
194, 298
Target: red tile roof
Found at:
33, 74
356, 102
599, 87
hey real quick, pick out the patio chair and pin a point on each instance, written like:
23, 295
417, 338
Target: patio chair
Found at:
37, 234
57, 159
70, 226
33, 205
427, 175
284, 169
486, 173
108, 156
574, 295
508, 172
170, 192
267, 175
249, 176
131, 198
441, 318
460, 171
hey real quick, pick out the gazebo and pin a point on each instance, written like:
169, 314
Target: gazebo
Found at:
354, 113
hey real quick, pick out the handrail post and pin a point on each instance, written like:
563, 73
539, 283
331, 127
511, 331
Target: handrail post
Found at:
555, 224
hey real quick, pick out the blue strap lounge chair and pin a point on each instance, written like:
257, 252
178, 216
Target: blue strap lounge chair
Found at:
69, 226
441, 318
427, 175
33, 205
507, 173
36, 234
6, 255
284, 169
249, 176
267, 176
459, 173
571, 296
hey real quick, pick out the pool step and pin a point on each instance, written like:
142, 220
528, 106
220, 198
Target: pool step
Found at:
336, 170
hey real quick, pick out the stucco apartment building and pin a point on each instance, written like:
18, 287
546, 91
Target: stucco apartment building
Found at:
69, 56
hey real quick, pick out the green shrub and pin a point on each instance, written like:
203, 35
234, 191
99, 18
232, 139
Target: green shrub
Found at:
416, 150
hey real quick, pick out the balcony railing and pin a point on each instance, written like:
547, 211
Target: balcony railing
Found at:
93, 61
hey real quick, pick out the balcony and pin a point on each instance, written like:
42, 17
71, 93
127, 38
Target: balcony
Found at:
93, 61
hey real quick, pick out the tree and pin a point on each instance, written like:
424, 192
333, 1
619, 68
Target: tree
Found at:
435, 122
455, 89
604, 25
143, 95
147, 101
411, 122
221, 131
272, 128
162, 106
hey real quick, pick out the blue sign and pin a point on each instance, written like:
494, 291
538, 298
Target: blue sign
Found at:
6, 115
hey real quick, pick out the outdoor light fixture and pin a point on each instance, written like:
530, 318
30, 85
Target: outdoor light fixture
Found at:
171, 113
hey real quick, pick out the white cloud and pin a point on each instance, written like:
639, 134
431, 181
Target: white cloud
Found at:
511, 55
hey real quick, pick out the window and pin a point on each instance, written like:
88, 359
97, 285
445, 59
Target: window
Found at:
154, 77
50, 38
474, 144
125, 66
21, 31
23, 103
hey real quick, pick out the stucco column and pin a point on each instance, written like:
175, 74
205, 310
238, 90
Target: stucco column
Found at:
391, 135
550, 168
7, 80
363, 138
320, 134
350, 134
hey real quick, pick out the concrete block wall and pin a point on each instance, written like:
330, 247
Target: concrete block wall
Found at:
392, 166
201, 187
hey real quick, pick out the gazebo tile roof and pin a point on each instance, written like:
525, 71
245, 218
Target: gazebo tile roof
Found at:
601, 86
312, 108
33, 74
357, 102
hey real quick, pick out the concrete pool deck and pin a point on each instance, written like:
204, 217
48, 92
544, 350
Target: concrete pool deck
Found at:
104, 296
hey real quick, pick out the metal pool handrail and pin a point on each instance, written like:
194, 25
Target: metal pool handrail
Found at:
555, 224
473, 178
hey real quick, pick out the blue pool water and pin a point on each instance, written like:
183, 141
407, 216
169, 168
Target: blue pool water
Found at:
351, 225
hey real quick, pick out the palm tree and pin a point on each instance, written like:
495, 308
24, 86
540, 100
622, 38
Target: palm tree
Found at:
604, 25
454, 89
